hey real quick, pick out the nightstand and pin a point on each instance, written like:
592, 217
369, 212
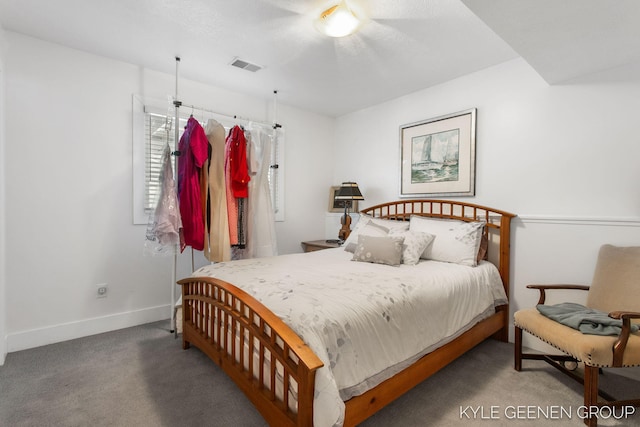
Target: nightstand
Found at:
316, 245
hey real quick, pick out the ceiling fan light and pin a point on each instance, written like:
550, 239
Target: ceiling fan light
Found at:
337, 21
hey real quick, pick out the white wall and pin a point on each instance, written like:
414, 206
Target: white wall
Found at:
564, 158
69, 193
3, 299
561, 157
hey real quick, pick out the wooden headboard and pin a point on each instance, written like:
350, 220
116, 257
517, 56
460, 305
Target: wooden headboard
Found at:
497, 231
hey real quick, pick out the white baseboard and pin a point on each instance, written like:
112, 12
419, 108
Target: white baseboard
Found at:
3, 349
83, 328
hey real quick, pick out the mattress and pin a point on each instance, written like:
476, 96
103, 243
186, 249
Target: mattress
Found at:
365, 321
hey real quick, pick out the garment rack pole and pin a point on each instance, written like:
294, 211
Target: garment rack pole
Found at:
176, 153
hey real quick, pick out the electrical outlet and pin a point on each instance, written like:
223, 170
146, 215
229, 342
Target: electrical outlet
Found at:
101, 290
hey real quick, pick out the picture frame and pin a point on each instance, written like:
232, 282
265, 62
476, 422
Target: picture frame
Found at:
438, 156
338, 205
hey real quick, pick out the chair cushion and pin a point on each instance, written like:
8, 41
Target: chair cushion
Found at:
594, 350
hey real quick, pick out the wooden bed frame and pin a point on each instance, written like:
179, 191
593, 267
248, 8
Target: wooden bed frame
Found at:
222, 320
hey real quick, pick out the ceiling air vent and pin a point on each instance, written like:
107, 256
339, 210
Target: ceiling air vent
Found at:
245, 65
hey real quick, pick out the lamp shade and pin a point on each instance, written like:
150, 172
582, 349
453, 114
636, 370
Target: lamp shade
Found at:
349, 191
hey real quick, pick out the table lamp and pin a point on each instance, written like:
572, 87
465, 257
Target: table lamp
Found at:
347, 193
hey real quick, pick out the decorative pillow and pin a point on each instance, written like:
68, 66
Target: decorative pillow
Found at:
388, 224
455, 241
379, 250
415, 242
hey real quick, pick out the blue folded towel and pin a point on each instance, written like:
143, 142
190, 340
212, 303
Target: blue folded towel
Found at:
585, 319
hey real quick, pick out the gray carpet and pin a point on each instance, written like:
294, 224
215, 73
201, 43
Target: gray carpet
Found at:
141, 377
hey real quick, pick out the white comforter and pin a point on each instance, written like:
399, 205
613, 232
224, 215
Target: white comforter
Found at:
364, 321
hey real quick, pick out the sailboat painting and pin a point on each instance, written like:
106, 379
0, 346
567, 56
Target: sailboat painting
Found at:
435, 157
438, 156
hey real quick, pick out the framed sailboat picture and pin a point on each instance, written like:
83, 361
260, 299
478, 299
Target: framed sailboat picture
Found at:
438, 156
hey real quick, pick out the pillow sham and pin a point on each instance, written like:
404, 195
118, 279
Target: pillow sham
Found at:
455, 241
368, 229
389, 224
379, 249
415, 243
353, 236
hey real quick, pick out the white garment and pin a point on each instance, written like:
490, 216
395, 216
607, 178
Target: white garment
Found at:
165, 223
261, 236
217, 246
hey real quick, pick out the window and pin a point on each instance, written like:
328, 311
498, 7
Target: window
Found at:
158, 131
153, 129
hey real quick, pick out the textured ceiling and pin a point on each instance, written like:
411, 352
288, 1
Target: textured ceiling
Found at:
566, 39
401, 48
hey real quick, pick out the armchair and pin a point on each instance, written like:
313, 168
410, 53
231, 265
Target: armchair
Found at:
615, 289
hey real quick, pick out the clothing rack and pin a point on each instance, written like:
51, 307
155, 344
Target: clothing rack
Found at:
177, 105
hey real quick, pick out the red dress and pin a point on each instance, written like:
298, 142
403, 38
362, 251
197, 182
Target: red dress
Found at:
237, 163
193, 149
237, 183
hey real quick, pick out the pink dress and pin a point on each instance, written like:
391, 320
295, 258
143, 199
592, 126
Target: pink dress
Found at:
193, 148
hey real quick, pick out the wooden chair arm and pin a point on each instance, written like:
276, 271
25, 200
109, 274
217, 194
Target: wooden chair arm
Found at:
621, 343
623, 314
543, 288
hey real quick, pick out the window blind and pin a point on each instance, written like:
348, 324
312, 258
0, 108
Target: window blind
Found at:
158, 130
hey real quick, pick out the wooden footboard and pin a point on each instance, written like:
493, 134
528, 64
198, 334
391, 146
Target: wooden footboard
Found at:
265, 358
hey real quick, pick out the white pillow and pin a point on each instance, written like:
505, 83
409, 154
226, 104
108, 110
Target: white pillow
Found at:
391, 224
379, 250
368, 229
415, 243
456, 241
388, 224
353, 236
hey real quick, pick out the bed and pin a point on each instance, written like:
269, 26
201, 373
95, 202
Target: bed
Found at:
292, 331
